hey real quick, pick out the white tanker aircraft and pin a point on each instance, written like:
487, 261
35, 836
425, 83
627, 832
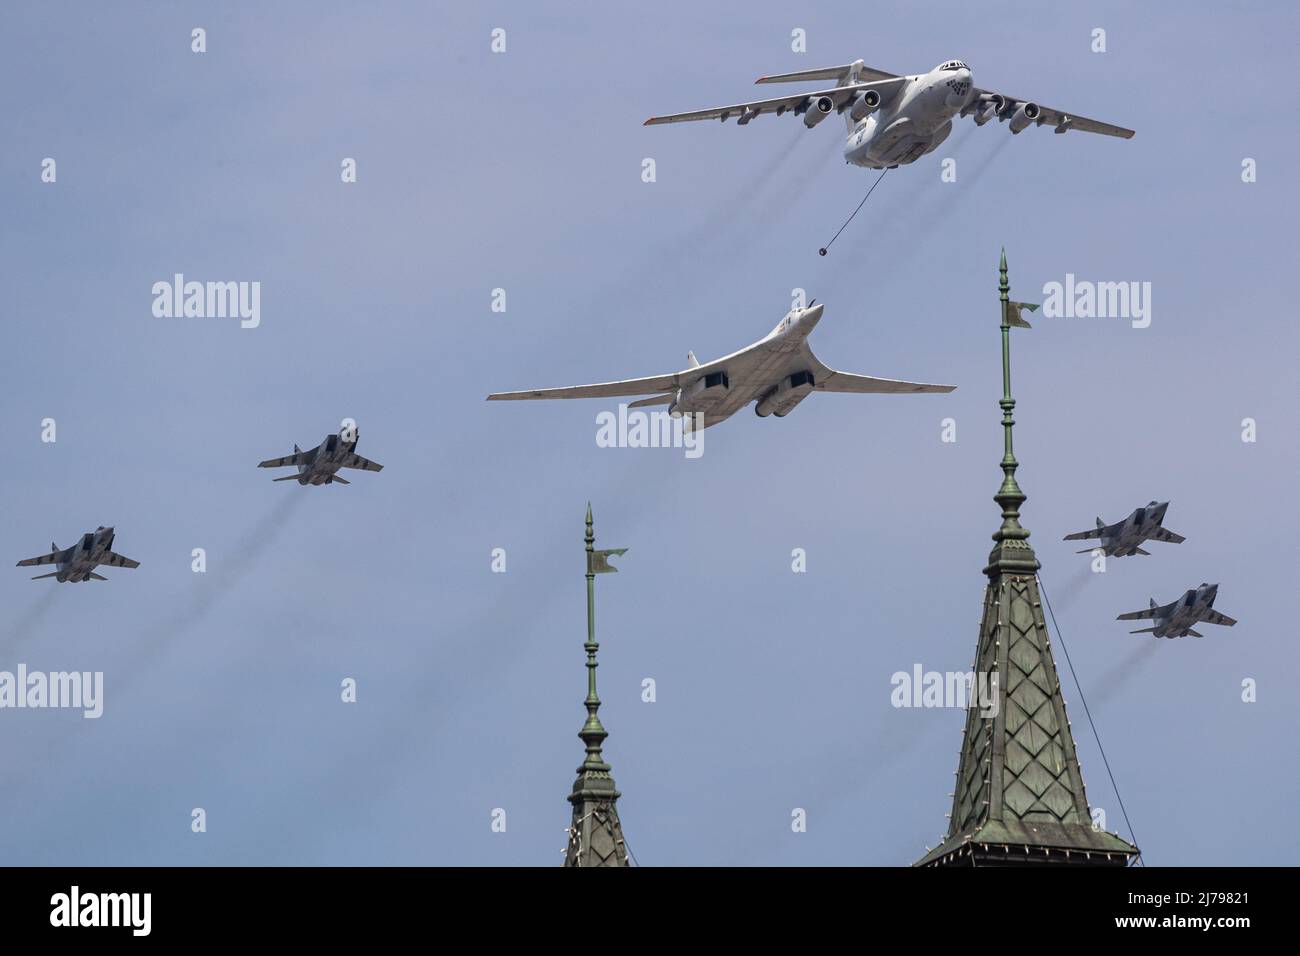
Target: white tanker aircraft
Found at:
894, 120
777, 372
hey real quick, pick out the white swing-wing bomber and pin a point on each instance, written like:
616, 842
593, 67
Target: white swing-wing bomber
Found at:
893, 120
776, 373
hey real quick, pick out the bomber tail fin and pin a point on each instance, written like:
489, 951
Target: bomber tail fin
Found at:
692, 361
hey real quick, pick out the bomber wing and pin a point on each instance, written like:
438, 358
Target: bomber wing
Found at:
867, 385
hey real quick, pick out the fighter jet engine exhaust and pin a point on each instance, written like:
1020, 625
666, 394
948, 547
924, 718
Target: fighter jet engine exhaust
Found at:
824, 249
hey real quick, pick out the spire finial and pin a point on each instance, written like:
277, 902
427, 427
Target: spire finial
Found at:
596, 836
1011, 551
593, 733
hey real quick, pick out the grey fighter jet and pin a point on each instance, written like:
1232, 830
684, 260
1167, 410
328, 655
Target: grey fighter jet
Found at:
1122, 538
1176, 619
319, 465
78, 562
776, 373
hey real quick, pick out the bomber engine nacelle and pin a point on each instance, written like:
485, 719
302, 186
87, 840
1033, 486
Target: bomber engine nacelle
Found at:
789, 393
864, 104
988, 106
816, 110
702, 395
1025, 114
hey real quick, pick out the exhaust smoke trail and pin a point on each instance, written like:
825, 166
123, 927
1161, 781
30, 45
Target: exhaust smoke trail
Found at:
1074, 587
20, 631
222, 580
1121, 674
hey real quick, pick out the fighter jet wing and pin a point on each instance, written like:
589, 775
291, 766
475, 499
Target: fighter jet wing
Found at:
1164, 534
1214, 617
113, 559
1085, 535
1060, 119
865, 384
300, 458
1143, 615
50, 558
839, 95
365, 464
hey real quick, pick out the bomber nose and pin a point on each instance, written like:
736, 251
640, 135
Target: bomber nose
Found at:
811, 316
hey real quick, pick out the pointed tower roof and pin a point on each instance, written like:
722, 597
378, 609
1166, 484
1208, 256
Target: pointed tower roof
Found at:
595, 833
1019, 797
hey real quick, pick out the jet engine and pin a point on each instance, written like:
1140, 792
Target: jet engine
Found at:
1025, 114
988, 106
816, 110
863, 104
785, 396
701, 395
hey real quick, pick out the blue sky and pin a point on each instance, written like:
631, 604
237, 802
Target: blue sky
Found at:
522, 171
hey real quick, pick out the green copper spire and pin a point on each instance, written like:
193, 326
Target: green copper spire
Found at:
1012, 551
595, 833
1018, 798
593, 734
